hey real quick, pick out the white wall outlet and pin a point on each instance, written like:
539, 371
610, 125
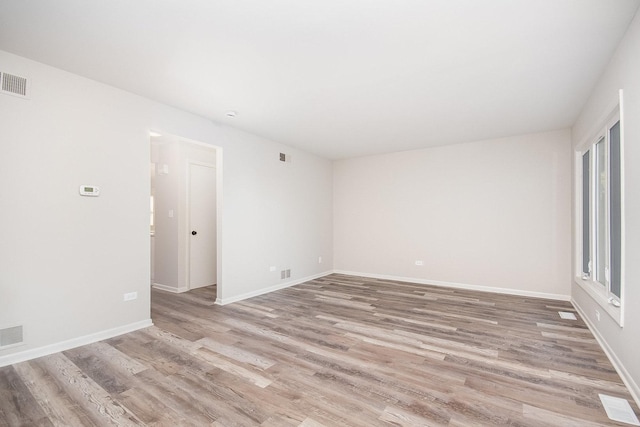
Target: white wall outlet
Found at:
170, 213
598, 315
130, 296
319, 260
272, 268
419, 262
288, 274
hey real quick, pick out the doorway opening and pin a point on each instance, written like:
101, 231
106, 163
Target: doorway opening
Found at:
185, 205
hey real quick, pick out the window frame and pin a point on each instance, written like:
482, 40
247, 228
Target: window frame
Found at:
602, 294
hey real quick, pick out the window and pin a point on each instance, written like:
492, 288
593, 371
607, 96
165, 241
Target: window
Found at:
600, 258
586, 215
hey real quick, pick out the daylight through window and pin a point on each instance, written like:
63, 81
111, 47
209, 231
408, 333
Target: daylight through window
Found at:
601, 216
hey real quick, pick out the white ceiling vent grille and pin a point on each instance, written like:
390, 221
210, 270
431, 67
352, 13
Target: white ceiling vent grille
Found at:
13, 85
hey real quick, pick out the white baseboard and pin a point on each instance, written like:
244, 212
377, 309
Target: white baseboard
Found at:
225, 301
168, 288
558, 297
632, 386
480, 288
22, 356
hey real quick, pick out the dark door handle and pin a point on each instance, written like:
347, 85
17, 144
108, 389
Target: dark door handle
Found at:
194, 232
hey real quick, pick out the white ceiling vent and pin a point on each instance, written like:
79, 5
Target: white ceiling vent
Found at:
13, 85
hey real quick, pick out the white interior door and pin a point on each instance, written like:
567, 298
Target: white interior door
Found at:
202, 222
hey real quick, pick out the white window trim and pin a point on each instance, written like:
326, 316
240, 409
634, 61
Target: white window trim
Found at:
594, 289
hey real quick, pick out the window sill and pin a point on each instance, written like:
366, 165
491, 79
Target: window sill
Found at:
597, 292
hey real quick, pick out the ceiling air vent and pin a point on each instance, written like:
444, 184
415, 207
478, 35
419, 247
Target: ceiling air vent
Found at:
13, 85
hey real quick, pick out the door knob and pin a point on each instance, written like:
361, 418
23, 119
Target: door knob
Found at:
194, 232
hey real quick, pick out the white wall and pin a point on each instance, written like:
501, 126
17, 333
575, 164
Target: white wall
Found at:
166, 190
492, 213
281, 209
623, 72
66, 260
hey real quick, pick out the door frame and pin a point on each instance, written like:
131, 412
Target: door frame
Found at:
183, 246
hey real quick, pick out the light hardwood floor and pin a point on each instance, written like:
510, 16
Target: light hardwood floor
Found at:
336, 351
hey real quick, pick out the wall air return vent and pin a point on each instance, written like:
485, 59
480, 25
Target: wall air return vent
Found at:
13, 85
285, 157
10, 337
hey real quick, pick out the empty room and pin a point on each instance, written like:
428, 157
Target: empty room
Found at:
334, 213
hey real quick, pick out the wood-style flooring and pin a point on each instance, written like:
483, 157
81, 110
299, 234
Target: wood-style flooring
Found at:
335, 351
